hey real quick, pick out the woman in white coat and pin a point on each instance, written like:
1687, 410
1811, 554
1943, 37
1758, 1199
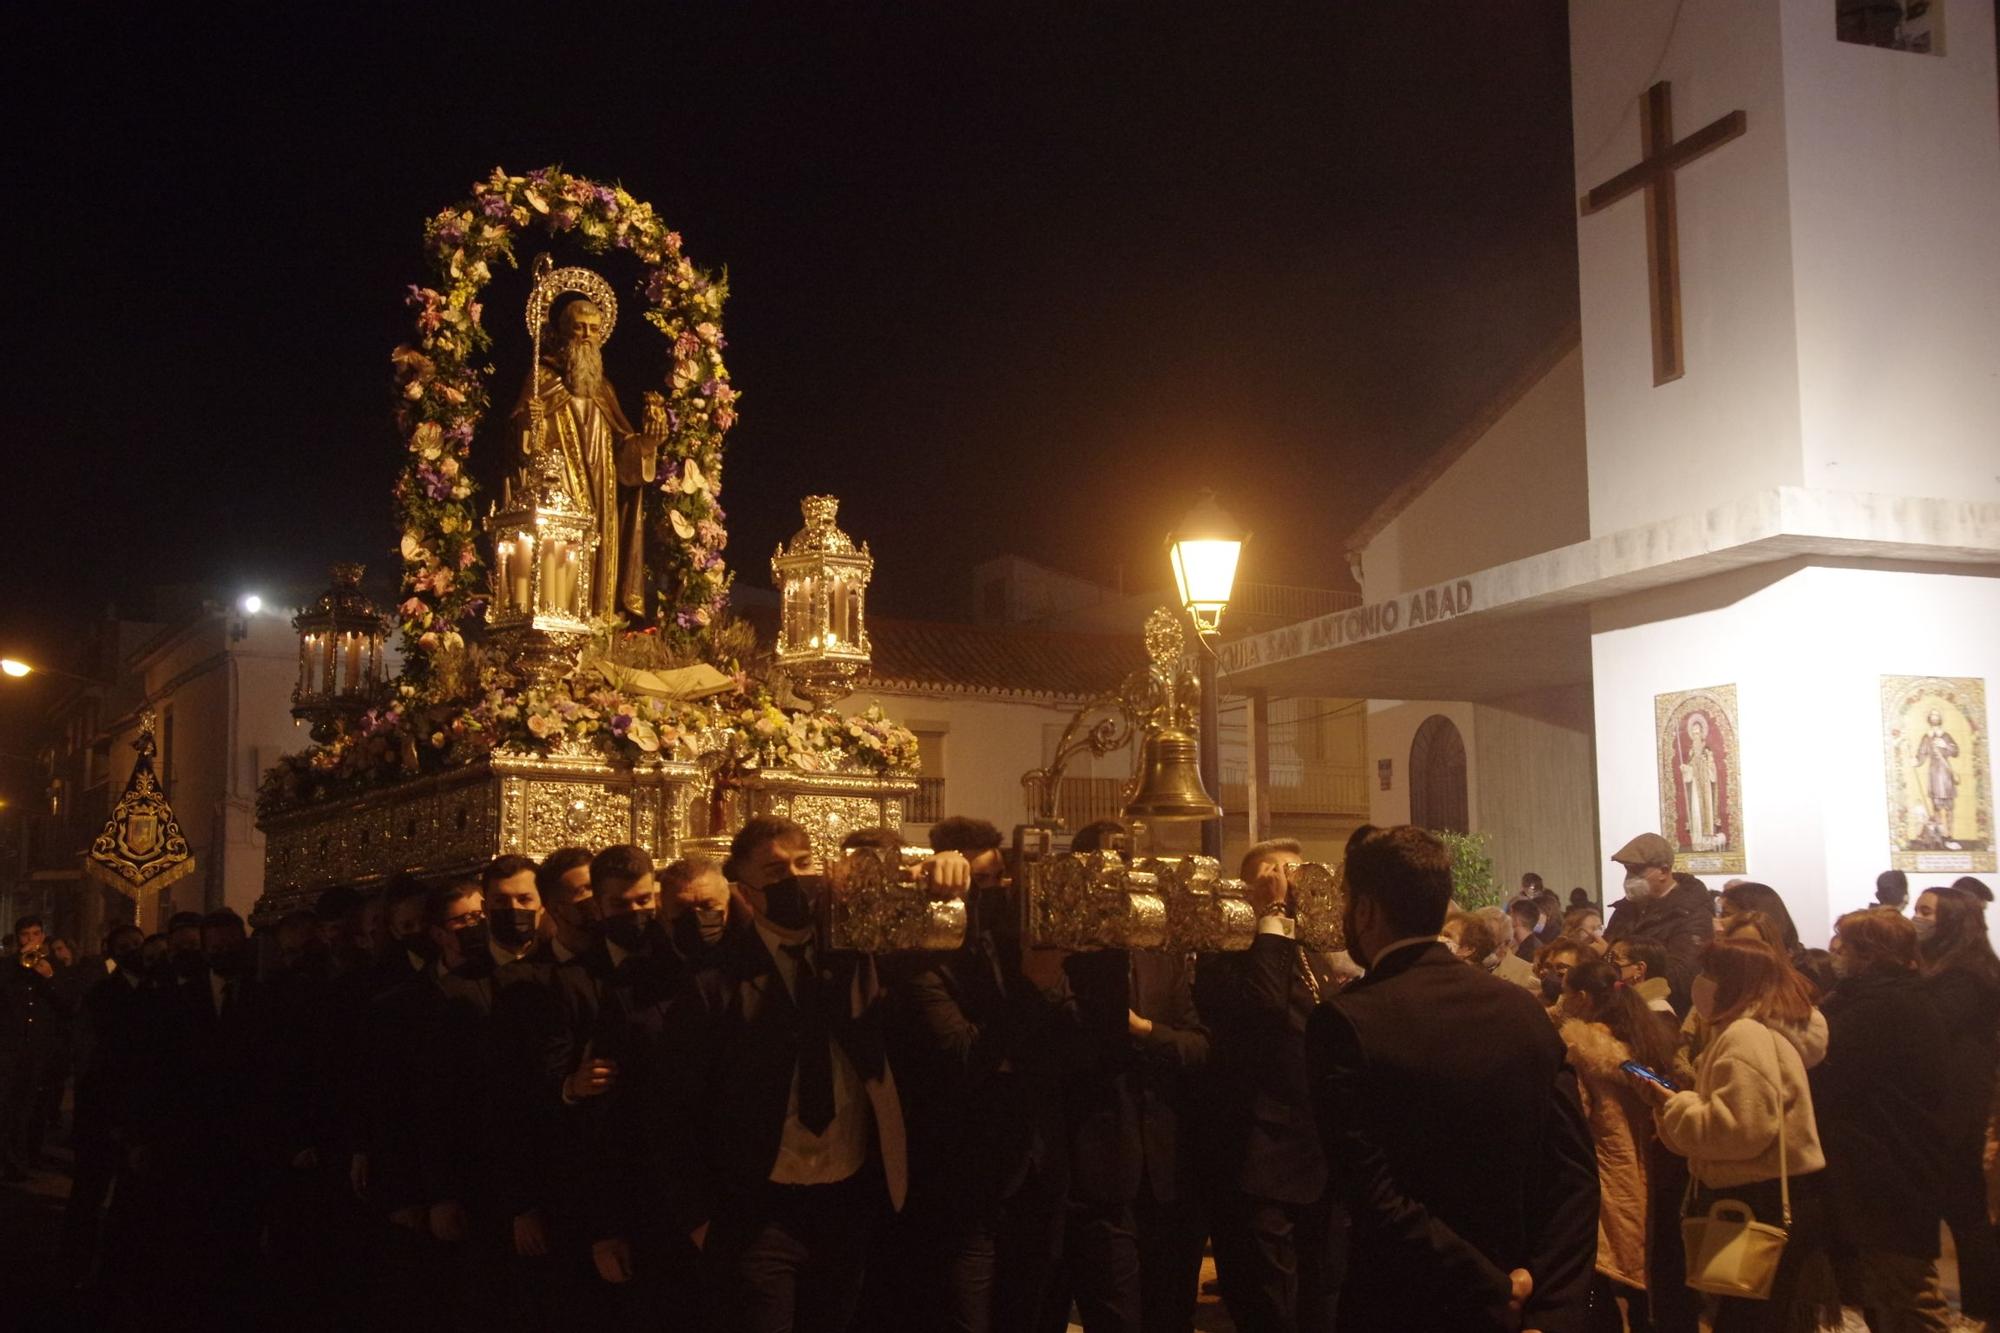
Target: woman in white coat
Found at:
1750, 1082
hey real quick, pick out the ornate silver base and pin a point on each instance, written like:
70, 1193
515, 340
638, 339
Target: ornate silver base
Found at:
454, 823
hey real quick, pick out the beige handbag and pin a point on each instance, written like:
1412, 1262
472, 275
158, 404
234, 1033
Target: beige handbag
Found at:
1729, 1252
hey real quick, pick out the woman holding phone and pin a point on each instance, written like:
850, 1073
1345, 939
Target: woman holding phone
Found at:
1748, 1120
1605, 1024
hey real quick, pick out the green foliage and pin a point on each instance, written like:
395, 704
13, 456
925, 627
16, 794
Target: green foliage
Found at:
1472, 883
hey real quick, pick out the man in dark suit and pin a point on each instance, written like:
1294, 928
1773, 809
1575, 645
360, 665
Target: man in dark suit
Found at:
785, 1129
109, 1032
205, 1134
1266, 1176
544, 1008
1429, 1075
970, 1035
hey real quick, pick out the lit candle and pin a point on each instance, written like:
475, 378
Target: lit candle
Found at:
520, 567
502, 588
353, 675
569, 581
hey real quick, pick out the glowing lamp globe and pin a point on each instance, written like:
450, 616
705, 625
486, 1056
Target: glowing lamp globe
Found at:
1204, 550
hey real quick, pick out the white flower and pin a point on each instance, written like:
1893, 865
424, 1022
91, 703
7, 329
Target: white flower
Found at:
682, 528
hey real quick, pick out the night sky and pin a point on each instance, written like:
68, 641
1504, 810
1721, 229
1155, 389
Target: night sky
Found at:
1021, 281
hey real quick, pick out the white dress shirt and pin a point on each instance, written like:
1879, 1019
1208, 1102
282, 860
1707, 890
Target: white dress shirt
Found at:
806, 1158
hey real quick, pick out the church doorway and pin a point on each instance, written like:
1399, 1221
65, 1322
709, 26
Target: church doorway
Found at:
1437, 777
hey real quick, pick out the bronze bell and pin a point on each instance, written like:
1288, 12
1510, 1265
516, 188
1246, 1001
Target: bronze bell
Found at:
1170, 780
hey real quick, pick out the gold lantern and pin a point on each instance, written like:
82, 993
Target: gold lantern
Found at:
823, 588
544, 545
342, 638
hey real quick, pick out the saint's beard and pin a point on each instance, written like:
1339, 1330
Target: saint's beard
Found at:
582, 368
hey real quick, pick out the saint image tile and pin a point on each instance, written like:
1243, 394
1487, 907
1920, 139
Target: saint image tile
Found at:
1939, 774
1701, 779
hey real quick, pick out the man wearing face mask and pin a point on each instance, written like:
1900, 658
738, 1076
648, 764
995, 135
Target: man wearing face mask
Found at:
108, 1049
1664, 908
544, 1009
969, 1035
205, 1123
1438, 1239
786, 1130
461, 1154
1266, 1172
612, 1110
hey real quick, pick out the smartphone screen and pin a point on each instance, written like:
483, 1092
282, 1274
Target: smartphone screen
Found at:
1635, 1068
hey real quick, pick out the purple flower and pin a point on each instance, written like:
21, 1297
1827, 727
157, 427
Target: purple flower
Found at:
494, 205
686, 620
451, 231
620, 724
709, 386
656, 285
461, 433
607, 197
539, 177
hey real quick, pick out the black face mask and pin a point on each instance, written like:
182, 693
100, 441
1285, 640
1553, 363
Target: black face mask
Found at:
188, 963
513, 926
421, 946
709, 921
788, 902
1552, 988
130, 960
472, 941
627, 930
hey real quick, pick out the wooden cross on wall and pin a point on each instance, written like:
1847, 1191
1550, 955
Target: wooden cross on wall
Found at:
1660, 158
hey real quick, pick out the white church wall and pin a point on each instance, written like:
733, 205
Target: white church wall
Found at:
1806, 647
986, 743
1731, 426
1894, 167
1519, 490
1537, 796
1392, 726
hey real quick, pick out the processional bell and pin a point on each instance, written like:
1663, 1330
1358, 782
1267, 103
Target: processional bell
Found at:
1170, 786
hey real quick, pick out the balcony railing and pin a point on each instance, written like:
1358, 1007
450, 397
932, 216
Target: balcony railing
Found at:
927, 806
1087, 800
1311, 791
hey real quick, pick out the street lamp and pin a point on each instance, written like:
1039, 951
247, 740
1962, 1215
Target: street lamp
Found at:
1203, 550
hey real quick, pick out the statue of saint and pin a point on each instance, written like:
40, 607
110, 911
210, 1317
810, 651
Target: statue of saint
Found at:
568, 405
1934, 755
1699, 789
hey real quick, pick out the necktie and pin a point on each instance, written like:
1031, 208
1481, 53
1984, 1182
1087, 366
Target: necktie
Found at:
815, 1055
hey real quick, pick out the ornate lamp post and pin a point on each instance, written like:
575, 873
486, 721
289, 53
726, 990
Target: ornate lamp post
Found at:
341, 667
823, 590
1203, 550
544, 544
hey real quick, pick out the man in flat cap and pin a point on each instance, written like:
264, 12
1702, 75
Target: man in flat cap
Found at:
1660, 907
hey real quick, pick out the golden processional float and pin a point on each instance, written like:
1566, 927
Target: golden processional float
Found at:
570, 672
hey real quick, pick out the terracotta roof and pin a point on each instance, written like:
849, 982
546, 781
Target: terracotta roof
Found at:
1455, 447
939, 656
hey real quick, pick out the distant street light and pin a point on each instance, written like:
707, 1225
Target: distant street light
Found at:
252, 604
1204, 550
15, 667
